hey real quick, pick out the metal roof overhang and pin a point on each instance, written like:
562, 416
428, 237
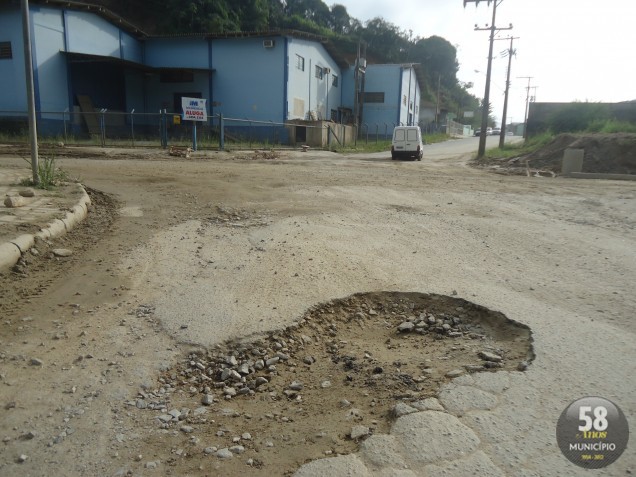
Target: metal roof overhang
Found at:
86, 58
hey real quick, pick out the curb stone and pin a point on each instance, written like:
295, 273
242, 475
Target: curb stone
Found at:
10, 252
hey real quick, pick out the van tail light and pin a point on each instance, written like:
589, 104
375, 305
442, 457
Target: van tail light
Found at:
392, 148
418, 148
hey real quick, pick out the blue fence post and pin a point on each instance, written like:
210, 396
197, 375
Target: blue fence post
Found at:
194, 135
221, 132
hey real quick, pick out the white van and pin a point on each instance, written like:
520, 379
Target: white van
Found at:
407, 142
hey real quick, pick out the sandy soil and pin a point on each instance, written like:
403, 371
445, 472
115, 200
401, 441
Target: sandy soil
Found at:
183, 262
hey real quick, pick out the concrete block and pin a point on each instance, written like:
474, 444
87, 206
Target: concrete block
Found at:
572, 160
15, 201
9, 255
24, 242
56, 228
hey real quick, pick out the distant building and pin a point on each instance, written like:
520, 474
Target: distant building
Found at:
391, 94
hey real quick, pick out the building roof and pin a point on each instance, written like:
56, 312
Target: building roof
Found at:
97, 9
141, 35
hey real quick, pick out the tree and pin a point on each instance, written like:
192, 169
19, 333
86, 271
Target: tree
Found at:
385, 40
253, 15
340, 21
314, 10
439, 59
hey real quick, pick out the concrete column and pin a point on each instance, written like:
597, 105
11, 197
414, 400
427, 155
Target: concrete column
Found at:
572, 161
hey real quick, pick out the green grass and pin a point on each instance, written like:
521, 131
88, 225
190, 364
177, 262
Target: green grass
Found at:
49, 175
520, 148
610, 126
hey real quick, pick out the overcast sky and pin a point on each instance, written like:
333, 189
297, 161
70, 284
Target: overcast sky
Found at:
574, 49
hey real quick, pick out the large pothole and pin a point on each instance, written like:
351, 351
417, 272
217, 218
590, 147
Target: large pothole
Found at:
268, 404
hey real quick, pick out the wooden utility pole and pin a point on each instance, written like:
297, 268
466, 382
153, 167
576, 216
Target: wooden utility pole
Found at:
525, 116
511, 53
492, 28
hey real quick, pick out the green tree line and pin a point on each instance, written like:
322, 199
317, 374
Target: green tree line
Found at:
385, 41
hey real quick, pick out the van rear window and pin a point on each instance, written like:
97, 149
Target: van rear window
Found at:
411, 134
399, 135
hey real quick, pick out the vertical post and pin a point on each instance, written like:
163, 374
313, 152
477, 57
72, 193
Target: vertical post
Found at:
502, 136
484, 115
164, 129
132, 127
194, 135
102, 126
65, 126
28, 64
525, 115
221, 132
439, 84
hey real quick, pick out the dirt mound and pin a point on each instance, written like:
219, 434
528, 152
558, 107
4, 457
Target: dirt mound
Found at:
322, 385
604, 153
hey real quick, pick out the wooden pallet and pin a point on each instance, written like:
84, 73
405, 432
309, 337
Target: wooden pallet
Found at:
90, 118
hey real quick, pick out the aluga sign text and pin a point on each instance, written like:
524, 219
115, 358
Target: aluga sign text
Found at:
194, 109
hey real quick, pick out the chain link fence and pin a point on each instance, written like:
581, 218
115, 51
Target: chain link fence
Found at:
120, 129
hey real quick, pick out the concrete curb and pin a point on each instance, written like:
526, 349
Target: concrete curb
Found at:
10, 252
595, 175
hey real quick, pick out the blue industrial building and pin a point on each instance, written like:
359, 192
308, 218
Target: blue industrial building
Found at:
87, 59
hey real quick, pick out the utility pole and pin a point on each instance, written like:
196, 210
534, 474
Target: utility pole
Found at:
484, 118
28, 65
525, 116
511, 53
439, 82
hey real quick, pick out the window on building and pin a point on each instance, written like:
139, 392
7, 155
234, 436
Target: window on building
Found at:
371, 97
404, 100
300, 63
319, 72
5, 50
411, 106
334, 81
176, 76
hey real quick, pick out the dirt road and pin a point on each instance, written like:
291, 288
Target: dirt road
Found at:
185, 254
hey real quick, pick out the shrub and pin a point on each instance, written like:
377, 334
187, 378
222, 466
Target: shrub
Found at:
48, 174
576, 117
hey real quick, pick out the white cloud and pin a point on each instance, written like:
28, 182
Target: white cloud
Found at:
574, 49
